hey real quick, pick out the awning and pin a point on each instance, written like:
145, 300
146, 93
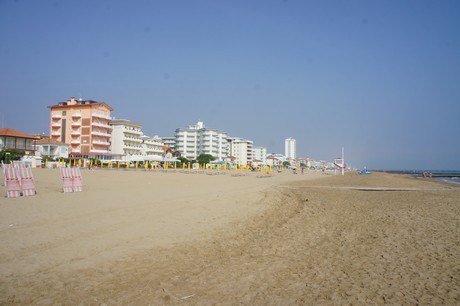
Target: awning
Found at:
154, 158
171, 160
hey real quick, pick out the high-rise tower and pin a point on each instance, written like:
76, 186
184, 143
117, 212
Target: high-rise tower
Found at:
290, 148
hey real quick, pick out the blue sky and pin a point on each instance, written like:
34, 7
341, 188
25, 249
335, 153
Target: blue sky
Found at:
380, 78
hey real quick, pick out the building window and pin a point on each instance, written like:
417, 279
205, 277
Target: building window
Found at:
64, 113
63, 132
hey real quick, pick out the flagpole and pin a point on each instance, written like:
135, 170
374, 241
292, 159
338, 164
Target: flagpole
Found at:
343, 162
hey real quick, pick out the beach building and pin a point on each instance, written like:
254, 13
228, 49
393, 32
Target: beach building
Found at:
14, 140
52, 149
275, 160
153, 148
84, 125
130, 144
126, 139
24, 143
290, 148
242, 149
169, 141
197, 139
260, 154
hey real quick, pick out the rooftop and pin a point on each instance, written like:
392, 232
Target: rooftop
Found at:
47, 140
72, 101
13, 133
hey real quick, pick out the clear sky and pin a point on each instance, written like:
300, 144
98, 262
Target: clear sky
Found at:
380, 78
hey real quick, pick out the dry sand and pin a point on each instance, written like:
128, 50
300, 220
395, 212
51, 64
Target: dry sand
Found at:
144, 238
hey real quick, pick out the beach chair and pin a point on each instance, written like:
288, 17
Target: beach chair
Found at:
3, 172
12, 182
18, 163
77, 181
66, 177
27, 180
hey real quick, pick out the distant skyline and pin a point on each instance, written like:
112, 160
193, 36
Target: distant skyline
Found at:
380, 78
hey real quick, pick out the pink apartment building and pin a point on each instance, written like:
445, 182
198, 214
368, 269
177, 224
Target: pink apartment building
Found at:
84, 125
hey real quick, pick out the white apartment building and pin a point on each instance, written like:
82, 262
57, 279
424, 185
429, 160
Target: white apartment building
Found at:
129, 142
242, 150
260, 153
169, 141
127, 139
290, 148
197, 139
152, 148
47, 147
275, 159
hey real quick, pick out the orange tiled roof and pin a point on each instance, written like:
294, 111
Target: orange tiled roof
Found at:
13, 133
47, 140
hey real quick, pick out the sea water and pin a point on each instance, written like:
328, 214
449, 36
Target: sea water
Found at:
455, 180
450, 176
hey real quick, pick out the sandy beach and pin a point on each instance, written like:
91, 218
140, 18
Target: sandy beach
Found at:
153, 238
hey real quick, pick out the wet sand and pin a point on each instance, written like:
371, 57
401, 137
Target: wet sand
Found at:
143, 238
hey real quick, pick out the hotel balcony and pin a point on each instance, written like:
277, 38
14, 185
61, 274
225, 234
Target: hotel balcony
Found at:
100, 151
100, 143
56, 116
131, 151
101, 125
101, 116
76, 115
131, 144
132, 139
149, 150
76, 124
75, 141
75, 132
75, 151
57, 133
154, 147
132, 131
101, 134
153, 143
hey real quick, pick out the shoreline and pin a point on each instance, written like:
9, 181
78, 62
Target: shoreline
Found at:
223, 239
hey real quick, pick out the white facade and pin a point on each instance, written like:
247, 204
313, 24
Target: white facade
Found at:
197, 139
131, 144
260, 153
169, 142
51, 148
242, 149
152, 148
126, 139
275, 159
290, 148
